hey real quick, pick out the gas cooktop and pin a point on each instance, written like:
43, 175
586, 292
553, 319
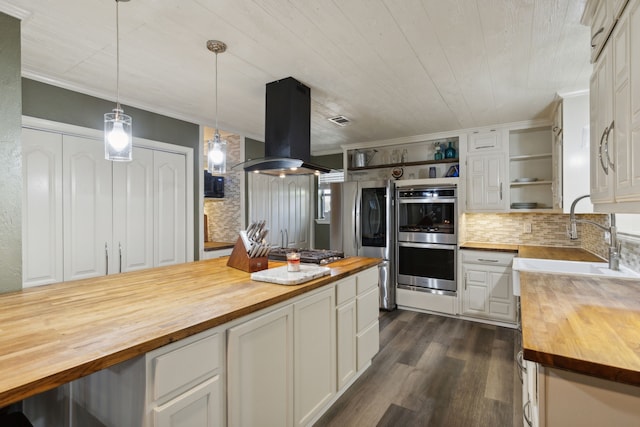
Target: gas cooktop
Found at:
310, 256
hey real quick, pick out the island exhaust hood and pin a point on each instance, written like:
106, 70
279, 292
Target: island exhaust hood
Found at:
287, 132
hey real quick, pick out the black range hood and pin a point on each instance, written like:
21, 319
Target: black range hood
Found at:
287, 131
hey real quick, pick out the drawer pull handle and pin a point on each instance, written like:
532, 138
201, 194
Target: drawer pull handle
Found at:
487, 260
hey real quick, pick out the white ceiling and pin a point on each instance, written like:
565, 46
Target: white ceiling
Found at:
394, 67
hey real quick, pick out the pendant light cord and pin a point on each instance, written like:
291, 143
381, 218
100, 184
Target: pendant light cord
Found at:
117, 57
217, 135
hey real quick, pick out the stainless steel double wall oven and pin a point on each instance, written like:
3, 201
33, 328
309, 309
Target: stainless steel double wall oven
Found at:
426, 238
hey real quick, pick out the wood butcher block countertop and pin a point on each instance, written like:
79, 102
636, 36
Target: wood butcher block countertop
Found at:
584, 324
53, 334
589, 325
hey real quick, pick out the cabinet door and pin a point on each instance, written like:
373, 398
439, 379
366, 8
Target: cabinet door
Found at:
314, 354
346, 342
199, 407
133, 211
602, 144
485, 182
480, 142
260, 370
556, 159
41, 208
87, 197
627, 108
475, 297
170, 234
501, 300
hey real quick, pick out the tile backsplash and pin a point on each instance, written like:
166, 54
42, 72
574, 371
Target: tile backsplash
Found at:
224, 215
546, 229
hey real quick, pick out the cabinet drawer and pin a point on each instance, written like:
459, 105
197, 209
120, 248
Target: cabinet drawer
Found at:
345, 290
185, 365
368, 344
487, 257
367, 308
367, 279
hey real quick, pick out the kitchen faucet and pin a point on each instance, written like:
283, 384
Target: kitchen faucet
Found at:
614, 245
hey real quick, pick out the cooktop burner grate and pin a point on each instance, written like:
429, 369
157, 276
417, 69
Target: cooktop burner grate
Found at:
310, 256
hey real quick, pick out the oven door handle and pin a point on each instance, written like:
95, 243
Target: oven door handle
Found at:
427, 246
427, 200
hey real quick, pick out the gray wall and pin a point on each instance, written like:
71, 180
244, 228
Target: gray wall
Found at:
61, 105
10, 155
321, 231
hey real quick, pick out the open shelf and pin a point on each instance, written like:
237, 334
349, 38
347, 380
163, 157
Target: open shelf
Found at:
395, 165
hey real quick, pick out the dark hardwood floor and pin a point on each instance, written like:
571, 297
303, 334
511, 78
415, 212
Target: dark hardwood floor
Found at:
435, 371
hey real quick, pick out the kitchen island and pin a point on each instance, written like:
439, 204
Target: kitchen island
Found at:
54, 334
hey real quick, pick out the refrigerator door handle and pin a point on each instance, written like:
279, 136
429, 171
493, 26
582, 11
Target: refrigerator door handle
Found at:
356, 223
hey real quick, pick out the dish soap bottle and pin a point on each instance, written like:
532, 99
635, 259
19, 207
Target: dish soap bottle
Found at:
450, 152
438, 155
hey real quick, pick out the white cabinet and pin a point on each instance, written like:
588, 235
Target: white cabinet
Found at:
488, 286
185, 385
615, 118
84, 216
346, 342
486, 172
346, 330
314, 356
481, 142
286, 205
367, 326
554, 397
195, 408
486, 182
178, 385
260, 370
571, 156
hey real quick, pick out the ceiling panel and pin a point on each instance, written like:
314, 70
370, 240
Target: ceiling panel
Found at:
394, 67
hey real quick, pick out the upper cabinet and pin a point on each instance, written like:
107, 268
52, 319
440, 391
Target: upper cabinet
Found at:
570, 134
601, 16
615, 115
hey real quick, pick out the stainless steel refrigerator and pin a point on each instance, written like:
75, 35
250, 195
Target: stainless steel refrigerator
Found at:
362, 225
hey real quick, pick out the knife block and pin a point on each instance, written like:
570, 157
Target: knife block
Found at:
240, 259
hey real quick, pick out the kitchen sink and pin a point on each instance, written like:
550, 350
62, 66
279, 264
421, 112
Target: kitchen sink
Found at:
579, 268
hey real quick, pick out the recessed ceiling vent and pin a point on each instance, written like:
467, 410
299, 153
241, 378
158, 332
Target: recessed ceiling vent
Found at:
339, 120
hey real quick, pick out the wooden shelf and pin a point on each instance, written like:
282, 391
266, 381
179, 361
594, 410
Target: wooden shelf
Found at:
522, 184
531, 157
395, 165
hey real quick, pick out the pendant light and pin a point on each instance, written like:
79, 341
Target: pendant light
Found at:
118, 140
216, 148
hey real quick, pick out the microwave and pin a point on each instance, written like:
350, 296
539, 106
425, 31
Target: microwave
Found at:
213, 185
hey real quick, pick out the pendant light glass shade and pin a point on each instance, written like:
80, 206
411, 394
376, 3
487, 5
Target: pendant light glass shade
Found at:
118, 136
217, 155
118, 141
217, 148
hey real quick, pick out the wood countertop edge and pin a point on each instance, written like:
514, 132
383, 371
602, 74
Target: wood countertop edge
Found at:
57, 379
593, 369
